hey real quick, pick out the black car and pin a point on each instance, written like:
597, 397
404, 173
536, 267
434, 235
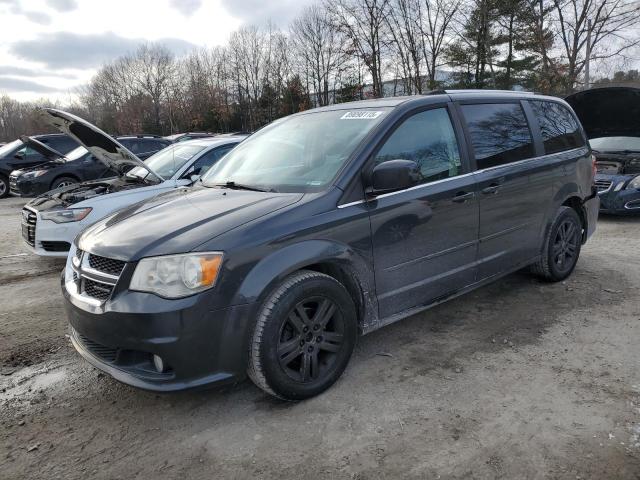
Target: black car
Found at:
324, 225
77, 166
16, 155
611, 118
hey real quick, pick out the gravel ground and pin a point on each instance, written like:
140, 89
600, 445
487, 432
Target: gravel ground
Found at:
519, 379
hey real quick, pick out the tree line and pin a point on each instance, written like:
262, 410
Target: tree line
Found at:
342, 50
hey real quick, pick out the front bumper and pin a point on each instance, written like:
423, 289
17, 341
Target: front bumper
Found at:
50, 239
26, 188
199, 346
591, 208
617, 199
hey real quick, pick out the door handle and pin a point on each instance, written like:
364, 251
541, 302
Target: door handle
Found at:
462, 197
491, 189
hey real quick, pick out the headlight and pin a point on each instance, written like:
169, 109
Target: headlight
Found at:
67, 215
634, 183
175, 276
33, 174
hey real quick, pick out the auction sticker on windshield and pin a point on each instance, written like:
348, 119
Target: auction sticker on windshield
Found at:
361, 115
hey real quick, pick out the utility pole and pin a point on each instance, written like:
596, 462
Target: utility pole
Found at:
587, 82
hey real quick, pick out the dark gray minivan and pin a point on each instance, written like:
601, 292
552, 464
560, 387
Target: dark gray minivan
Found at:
325, 225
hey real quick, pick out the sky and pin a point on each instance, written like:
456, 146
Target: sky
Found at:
50, 47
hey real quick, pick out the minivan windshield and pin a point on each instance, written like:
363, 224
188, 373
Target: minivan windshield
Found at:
296, 154
615, 144
168, 161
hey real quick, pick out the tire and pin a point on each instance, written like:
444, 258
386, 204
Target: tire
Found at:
63, 182
304, 336
561, 247
4, 186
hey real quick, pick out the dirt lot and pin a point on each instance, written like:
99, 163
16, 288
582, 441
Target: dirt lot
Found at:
517, 380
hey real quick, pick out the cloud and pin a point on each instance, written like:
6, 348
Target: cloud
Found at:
71, 50
6, 70
63, 5
17, 85
186, 7
16, 9
37, 17
259, 11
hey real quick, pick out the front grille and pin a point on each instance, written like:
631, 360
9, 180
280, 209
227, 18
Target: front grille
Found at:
51, 246
97, 290
95, 276
13, 185
603, 185
106, 265
29, 220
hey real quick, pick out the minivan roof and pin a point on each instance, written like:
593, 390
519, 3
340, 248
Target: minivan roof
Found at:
430, 97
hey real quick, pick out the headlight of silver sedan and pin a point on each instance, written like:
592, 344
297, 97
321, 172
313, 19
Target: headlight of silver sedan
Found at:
176, 276
66, 215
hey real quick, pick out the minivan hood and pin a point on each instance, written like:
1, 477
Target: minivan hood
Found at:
44, 150
102, 145
608, 111
178, 221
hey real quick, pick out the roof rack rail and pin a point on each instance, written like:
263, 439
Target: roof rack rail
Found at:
480, 90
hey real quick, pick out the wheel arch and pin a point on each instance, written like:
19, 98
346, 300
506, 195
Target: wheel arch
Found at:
335, 259
63, 175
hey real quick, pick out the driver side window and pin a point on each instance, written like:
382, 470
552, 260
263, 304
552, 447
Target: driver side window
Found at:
428, 139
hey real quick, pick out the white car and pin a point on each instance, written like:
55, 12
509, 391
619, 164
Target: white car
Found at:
51, 221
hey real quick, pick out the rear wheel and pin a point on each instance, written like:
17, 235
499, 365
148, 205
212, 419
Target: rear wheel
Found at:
4, 186
304, 336
63, 182
561, 247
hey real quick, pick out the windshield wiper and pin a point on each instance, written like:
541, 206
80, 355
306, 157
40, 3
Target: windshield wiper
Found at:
239, 186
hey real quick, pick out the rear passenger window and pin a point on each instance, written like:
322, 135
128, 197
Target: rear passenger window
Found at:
559, 129
499, 133
428, 139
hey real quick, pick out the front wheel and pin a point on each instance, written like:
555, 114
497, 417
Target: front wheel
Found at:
304, 336
561, 247
4, 186
62, 182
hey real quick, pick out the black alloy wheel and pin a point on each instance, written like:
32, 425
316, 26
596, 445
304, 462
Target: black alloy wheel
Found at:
310, 339
566, 245
304, 336
561, 247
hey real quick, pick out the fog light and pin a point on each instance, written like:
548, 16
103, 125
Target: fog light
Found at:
158, 363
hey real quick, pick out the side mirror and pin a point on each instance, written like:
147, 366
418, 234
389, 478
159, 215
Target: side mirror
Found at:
394, 175
19, 155
194, 178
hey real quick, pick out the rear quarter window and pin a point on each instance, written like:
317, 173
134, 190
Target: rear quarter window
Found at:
558, 127
499, 133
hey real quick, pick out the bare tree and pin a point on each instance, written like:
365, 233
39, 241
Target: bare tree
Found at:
405, 26
318, 51
612, 33
364, 26
438, 17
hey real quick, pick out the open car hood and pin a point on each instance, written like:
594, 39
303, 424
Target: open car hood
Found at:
608, 111
44, 150
102, 145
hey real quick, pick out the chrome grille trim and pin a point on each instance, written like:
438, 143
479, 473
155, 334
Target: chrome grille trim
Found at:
603, 186
29, 222
89, 282
13, 184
